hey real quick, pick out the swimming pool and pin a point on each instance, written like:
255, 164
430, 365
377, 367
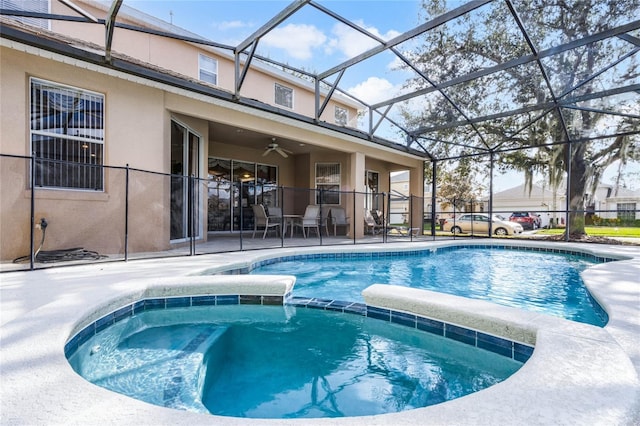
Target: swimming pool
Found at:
575, 360
283, 362
534, 280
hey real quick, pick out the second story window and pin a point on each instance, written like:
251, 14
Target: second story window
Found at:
38, 6
284, 96
208, 69
341, 116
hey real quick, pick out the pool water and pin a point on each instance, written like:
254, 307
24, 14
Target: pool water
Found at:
542, 282
282, 362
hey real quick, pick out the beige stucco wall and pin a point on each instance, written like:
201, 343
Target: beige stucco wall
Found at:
92, 220
183, 58
137, 133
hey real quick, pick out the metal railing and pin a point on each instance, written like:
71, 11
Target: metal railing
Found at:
144, 214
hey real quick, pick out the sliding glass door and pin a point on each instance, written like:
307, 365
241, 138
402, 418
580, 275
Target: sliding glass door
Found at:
185, 162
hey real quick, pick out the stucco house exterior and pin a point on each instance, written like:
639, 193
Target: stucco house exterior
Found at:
606, 203
128, 141
536, 199
610, 203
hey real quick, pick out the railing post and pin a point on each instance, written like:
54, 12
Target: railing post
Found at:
190, 213
320, 218
32, 255
411, 217
434, 187
455, 216
241, 224
353, 217
472, 234
567, 203
126, 214
386, 198
280, 189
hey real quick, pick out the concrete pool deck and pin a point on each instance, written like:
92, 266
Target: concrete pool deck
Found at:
578, 374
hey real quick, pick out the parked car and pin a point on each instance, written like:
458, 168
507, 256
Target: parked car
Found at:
478, 223
528, 220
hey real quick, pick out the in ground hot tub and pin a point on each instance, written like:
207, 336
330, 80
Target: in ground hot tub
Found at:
215, 354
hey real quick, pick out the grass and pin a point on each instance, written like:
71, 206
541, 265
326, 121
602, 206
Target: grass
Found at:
599, 231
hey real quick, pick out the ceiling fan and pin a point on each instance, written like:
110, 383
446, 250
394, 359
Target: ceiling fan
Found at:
273, 146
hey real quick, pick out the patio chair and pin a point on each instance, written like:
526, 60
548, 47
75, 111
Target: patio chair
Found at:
260, 219
338, 218
310, 220
371, 226
274, 213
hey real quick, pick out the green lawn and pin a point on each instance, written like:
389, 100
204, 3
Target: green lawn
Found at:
600, 231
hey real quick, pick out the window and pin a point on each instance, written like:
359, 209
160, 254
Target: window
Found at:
38, 6
626, 211
284, 96
67, 136
259, 186
328, 183
341, 116
208, 69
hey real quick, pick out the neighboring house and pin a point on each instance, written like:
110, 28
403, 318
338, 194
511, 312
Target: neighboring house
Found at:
399, 205
550, 205
168, 106
541, 200
400, 200
611, 203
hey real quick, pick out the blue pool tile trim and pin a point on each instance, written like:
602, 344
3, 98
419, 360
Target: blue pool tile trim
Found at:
430, 325
498, 345
403, 318
421, 252
514, 350
521, 352
164, 303
495, 344
460, 334
379, 313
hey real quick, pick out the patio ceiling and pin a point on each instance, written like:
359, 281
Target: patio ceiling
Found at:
605, 91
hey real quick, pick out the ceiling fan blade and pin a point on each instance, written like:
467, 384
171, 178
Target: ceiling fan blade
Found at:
266, 152
281, 152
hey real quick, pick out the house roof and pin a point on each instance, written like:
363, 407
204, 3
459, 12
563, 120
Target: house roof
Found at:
604, 191
621, 192
521, 191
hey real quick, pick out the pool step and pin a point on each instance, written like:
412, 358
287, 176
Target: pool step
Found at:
184, 389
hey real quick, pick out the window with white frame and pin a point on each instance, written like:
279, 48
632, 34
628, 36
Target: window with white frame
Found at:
208, 69
341, 116
38, 6
626, 211
284, 96
328, 183
67, 136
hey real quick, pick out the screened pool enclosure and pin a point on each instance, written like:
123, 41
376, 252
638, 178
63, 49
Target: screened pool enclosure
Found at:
545, 88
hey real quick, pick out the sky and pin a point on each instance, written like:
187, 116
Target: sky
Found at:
311, 41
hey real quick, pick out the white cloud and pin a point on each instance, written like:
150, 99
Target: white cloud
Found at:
374, 89
396, 64
298, 40
351, 42
231, 25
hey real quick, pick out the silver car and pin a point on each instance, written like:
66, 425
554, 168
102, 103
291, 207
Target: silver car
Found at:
478, 223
